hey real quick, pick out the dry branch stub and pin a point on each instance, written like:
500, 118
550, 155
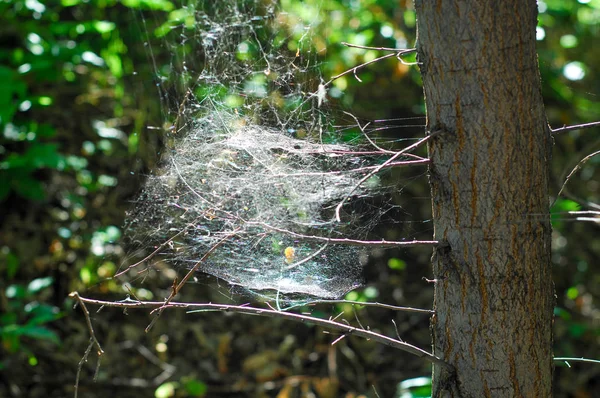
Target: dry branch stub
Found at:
252, 150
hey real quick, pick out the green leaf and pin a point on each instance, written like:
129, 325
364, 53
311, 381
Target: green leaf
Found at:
419, 387
40, 333
39, 284
37, 156
396, 263
41, 313
195, 388
158, 5
103, 26
29, 188
8, 319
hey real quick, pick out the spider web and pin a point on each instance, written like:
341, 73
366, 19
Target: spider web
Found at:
253, 168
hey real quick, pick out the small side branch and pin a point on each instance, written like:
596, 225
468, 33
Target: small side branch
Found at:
575, 169
566, 360
394, 50
327, 324
564, 129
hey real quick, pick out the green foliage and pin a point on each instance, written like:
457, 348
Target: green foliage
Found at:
419, 387
25, 318
68, 129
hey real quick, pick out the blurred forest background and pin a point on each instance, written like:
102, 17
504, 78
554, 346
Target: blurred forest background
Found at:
82, 122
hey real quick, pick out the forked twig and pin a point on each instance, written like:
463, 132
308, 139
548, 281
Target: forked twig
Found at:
362, 130
93, 341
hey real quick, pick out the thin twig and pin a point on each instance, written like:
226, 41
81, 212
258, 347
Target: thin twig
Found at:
395, 50
177, 287
331, 325
353, 70
381, 166
365, 304
575, 169
158, 249
375, 391
346, 241
362, 129
334, 342
188, 93
396, 328
351, 153
88, 321
398, 53
569, 359
401, 163
564, 129
93, 341
83, 360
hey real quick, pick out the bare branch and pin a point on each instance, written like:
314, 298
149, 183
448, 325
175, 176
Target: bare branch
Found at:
327, 324
353, 70
351, 153
381, 166
403, 163
398, 53
88, 321
570, 359
564, 129
365, 304
395, 50
345, 241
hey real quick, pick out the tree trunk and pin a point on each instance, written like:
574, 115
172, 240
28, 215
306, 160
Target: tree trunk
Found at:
489, 182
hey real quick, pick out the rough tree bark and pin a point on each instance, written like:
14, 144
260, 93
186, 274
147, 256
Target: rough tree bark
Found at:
489, 182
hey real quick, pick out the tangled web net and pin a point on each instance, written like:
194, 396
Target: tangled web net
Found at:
252, 173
